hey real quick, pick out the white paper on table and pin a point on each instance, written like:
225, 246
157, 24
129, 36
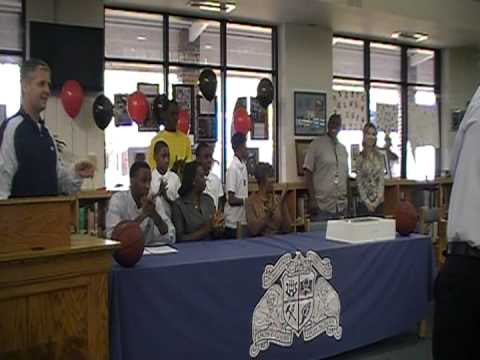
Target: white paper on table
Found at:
159, 250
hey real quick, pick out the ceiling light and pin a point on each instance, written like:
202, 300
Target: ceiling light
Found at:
141, 38
420, 37
208, 47
341, 41
215, 6
409, 36
396, 35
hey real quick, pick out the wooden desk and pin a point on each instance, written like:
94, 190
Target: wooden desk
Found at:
53, 302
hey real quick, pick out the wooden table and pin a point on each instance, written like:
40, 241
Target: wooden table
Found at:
53, 302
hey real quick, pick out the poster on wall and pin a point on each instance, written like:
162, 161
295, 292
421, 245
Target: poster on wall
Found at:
423, 125
259, 117
184, 96
351, 106
150, 91
310, 113
120, 113
387, 117
206, 124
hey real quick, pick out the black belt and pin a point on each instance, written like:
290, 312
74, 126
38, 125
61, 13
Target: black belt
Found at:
462, 249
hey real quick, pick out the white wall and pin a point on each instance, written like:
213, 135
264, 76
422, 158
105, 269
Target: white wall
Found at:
460, 79
305, 63
81, 135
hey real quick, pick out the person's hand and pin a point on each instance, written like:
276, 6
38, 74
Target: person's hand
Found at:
162, 189
84, 169
148, 206
218, 220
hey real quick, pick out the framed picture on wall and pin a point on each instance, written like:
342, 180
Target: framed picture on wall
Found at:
120, 113
184, 96
150, 91
259, 116
252, 161
301, 148
206, 124
310, 113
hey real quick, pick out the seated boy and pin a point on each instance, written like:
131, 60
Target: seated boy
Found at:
137, 205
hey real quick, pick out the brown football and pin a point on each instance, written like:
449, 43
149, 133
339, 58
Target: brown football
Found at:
132, 243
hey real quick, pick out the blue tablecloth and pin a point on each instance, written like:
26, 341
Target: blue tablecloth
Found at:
199, 302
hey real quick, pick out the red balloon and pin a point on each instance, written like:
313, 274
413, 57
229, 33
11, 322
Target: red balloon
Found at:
241, 121
137, 107
72, 97
183, 122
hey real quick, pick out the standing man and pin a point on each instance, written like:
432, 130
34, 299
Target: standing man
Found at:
29, 164
457, 287
178, 143
326, 174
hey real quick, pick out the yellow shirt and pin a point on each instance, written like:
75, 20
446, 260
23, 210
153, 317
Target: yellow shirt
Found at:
178, 144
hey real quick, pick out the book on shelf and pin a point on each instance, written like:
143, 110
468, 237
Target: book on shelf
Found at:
92, 220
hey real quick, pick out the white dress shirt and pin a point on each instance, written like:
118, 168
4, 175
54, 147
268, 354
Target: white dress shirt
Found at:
173, 184
237, 182
214, 188
122, 207
464, 209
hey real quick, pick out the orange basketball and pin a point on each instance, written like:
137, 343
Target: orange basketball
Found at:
130, 236
405, 218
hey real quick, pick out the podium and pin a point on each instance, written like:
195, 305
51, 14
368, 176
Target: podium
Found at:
35, 223
53, 285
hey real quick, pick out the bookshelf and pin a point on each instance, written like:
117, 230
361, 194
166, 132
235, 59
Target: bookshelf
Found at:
90, 211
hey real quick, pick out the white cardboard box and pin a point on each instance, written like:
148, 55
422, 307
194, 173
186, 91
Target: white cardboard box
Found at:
362, 229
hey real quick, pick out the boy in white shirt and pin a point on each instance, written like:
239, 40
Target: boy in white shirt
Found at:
214, 188
165, 183
236, 187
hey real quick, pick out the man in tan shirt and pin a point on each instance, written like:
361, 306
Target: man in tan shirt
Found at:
326, 174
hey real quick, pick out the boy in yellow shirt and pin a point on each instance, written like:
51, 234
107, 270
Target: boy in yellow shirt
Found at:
178, 143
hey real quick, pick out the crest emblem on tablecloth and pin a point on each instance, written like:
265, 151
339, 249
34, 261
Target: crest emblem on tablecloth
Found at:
298, 300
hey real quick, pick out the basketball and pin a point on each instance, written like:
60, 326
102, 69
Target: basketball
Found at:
132, 243
405, 218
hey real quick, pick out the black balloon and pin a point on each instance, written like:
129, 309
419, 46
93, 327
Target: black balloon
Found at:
265, 92
159, 108
208, 84
102, 111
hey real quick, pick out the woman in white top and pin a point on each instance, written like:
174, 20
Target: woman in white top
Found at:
370, 174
